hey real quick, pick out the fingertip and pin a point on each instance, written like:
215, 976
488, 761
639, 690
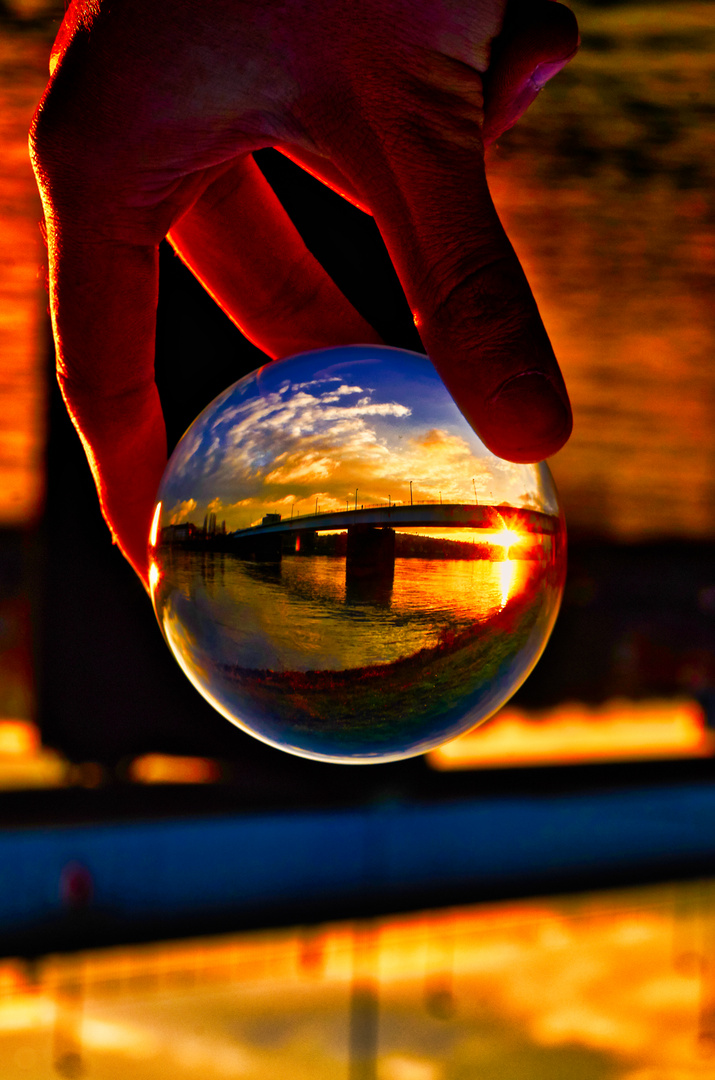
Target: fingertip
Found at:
538, 40
527, 418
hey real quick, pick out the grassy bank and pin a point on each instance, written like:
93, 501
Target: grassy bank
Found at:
363, 710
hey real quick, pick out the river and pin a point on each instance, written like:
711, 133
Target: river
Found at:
302, 614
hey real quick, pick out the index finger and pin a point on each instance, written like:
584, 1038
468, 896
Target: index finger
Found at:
414, 151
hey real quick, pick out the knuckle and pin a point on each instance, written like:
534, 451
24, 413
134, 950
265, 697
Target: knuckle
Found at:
62, 157
56, 128
488, 303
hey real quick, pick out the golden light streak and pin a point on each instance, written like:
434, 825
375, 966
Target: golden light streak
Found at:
154, 531
172, 769
154, 576
619, 730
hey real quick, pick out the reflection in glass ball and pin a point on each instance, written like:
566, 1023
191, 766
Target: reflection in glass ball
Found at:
342, 568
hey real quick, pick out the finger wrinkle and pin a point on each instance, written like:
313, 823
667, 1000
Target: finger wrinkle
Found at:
501, 301
509, 382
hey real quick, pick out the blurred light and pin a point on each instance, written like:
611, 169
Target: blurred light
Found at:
616, 731
24, 762
170, 769
18, 738
592, 977
22, 297
76, 886
88, 774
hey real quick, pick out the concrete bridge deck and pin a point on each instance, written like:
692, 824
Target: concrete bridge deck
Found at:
446, 515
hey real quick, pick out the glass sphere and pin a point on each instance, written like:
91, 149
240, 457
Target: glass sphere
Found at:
342, 568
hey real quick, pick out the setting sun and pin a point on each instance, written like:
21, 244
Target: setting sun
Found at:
506, 538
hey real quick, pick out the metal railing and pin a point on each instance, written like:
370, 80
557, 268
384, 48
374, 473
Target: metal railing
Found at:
379, 506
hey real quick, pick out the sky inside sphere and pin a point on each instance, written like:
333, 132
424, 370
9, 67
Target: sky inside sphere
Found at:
333, 429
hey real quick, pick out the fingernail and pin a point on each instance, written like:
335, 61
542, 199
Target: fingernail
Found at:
527, 419
545, 71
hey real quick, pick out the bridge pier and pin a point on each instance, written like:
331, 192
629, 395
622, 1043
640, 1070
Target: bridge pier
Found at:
261, 548
370, 553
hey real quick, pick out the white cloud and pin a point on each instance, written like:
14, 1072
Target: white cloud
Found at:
280, 447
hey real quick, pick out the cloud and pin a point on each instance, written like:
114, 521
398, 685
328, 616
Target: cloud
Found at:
308, 469
181, 511
288, 385
292, 438
335, 395
326, 437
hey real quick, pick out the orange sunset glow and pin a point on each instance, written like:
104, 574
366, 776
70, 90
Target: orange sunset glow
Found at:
608, 984
23, 328
619, 730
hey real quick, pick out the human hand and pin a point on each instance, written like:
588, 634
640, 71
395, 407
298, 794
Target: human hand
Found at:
146, 130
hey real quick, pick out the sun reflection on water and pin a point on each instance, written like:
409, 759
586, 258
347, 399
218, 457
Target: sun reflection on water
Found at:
507, 576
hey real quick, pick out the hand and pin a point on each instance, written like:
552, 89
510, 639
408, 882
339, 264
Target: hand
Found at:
146, 130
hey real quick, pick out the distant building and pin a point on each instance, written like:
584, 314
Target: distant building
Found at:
179, 534
210, 525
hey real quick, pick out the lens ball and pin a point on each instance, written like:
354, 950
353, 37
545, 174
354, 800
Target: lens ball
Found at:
342, 568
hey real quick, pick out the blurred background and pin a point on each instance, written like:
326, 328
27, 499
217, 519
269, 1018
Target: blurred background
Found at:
131, 812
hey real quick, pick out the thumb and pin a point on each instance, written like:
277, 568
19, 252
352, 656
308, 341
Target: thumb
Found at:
415, 153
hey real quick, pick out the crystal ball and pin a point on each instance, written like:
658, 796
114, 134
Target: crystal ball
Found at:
342, 568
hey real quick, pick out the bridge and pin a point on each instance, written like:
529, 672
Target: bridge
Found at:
448, 515
371, 531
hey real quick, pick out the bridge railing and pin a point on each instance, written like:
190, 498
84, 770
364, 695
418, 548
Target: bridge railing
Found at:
373, 506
